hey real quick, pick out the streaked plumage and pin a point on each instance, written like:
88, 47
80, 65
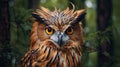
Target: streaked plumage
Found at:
61, 45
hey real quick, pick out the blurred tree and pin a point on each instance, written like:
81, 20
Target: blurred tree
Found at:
19, 29
4, 34
104, 13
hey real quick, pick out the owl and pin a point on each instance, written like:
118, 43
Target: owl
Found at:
56, 39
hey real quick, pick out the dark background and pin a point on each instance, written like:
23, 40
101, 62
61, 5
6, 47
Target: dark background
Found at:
101, 28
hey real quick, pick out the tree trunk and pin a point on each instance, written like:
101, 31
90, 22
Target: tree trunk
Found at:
4, 33
104, 11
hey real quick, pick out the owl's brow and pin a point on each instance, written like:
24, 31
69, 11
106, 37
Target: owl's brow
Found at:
66, 27
54, 27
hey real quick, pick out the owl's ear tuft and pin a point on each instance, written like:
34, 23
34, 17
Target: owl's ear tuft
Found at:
79, 15
37, 17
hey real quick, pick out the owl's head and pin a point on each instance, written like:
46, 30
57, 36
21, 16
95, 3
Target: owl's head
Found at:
57, 29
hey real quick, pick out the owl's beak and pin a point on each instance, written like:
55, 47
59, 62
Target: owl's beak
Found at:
60, 41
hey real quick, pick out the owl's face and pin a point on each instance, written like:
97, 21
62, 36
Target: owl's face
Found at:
59, 29
61, 36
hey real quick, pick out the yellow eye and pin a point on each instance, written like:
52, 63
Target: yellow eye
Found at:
49, 30
69, 31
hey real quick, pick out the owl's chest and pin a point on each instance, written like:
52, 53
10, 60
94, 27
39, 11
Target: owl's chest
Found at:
54, 58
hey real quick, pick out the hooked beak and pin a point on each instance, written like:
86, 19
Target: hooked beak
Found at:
60, 41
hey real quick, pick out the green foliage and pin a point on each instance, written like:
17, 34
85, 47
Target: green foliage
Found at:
20, 30
51, 4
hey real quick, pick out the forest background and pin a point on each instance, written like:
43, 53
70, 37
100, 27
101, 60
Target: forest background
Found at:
101, 28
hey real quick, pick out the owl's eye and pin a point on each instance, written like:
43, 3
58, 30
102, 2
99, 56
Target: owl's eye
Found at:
49, 30
69, 31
